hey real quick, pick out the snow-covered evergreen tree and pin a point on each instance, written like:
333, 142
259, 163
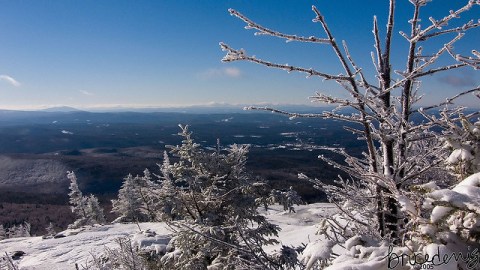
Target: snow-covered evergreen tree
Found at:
78, 203
129, 203
86, 209
94, 211
286, 198
50, 231
168, 205
148, 189
3, 233
216, 222
147, 197
11, 231
25, 228
18, 230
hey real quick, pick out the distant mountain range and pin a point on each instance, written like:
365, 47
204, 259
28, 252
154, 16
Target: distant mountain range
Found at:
209, 108
61, 109
65, 114
150, 114
194, 109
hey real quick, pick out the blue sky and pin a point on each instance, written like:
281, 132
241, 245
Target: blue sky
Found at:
165, 53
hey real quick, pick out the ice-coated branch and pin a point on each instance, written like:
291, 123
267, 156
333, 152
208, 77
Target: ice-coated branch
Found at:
350, 214
440, 69
359, 105
450, 100
360, 119
265, 31
355, 167
444, 21
10, 264
322, 98
363, 81
388, 37
354, 130
289, 114
368, 136
377, 45
411, 75
463, 28
326, 114
415, 174
467, 60
319, 18
252, 250
239, 55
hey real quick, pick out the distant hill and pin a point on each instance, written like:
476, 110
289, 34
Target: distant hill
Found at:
61, 109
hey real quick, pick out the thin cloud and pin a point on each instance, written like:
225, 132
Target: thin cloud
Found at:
86, 93
213, 73
232, 72
10, 80
459, 81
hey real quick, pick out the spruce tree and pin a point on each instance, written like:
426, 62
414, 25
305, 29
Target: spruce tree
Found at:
86, 209
3, 233
216, 220
128, 205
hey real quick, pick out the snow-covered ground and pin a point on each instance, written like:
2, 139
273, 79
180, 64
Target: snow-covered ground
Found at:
79, 245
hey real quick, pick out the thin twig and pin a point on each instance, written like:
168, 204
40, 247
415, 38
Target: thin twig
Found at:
238, 55
265, 31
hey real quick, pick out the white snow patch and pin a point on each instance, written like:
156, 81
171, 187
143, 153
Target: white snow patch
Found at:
407, 205
315, 251
76, 247
459, 155
464, 195
289, 134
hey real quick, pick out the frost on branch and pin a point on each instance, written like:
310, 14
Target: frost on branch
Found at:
232, 55
265, 31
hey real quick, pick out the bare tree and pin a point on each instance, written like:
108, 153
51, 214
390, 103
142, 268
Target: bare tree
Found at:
399, 151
